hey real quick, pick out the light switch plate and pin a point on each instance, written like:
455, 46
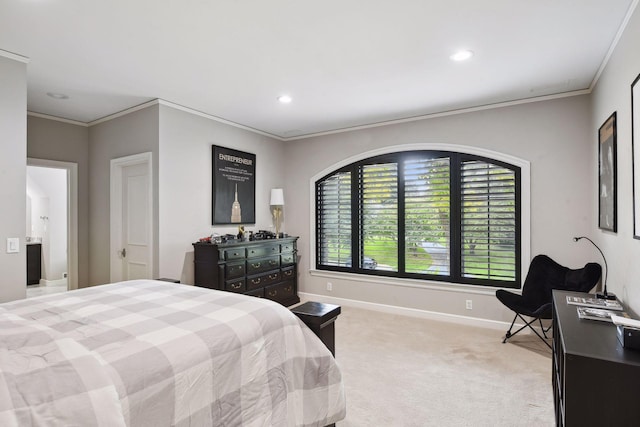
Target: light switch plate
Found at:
13, 245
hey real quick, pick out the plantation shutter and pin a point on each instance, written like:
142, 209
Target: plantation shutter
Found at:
334, 220
427, 216
488, 227
379, 217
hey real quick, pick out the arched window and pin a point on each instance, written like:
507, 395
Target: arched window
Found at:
436, 215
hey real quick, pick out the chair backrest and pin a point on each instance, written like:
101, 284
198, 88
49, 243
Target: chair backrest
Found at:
545, 275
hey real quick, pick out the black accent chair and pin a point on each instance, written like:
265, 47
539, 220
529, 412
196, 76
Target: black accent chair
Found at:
545, 275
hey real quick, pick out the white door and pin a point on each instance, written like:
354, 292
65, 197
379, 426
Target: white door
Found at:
135, 230
131, 218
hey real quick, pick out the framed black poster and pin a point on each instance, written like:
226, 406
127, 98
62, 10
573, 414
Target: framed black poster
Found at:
234, 186
635, 154
607, 175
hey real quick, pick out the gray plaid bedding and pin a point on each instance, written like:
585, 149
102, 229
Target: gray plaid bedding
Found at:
150, 353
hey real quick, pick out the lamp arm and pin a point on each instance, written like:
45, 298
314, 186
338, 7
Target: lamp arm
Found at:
606, 268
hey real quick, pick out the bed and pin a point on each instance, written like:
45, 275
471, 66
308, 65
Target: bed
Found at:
151, 353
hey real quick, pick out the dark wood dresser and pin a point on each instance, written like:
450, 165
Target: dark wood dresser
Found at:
262, 268
596, 381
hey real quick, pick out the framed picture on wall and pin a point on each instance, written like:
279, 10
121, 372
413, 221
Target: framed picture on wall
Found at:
234, 187
635, 154
608, 175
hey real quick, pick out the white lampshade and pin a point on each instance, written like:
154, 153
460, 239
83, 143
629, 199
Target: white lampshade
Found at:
277, 197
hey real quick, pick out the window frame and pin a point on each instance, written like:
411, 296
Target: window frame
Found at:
399, 153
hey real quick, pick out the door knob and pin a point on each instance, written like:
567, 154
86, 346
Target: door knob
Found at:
123, 252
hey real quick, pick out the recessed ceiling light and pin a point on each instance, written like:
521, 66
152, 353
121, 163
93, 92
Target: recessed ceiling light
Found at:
57, 95
285, 99
461, 55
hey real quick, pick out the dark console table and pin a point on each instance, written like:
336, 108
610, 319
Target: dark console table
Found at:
596, 381
261, 268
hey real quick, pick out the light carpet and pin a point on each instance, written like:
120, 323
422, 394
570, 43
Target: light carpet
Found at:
405, 371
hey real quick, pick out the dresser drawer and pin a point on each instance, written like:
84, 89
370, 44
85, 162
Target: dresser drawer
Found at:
235, 285
234, 269
288, 259
231, 254
287, 247
280, 292
263, 251
259, 265
263, 280
288, 273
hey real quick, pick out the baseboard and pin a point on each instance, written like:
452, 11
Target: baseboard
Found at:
411, 312
44, 282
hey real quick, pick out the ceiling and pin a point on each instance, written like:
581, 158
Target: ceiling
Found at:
346, 64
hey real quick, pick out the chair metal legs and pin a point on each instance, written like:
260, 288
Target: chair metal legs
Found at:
509, 334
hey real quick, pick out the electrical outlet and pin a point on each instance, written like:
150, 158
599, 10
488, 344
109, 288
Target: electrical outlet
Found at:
329, 286
469, 304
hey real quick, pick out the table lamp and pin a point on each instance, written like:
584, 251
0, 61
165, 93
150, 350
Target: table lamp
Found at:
604, 294
277, 203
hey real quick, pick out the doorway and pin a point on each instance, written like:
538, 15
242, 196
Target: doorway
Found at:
51, 232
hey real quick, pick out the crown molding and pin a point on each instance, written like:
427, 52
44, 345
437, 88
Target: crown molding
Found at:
14, 56
173, 105
124, 112
445, 114
614, 44
218, 119
57, 119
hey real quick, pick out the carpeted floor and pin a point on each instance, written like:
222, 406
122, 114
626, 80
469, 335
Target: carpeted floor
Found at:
405, 371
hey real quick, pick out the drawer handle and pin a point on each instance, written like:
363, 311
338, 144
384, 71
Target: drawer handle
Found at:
273, 262
236, 254
236, 285
288, 289
273, 276
273, 293
255, 265
256, 281
274, 249
288, 273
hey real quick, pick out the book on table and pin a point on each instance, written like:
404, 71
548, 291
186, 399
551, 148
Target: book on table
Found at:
595, 302
592, 313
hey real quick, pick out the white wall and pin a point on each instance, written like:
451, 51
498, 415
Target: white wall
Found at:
185, 183
65, 142
13, 169
613, 93
133, 133
552, 135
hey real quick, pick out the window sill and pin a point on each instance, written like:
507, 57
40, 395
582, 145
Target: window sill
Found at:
412, 283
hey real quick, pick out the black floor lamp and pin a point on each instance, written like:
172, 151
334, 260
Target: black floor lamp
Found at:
604, 294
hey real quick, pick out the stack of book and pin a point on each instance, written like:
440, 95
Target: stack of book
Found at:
596, 308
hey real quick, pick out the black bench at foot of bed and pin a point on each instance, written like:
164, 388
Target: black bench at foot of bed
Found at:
320, 318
